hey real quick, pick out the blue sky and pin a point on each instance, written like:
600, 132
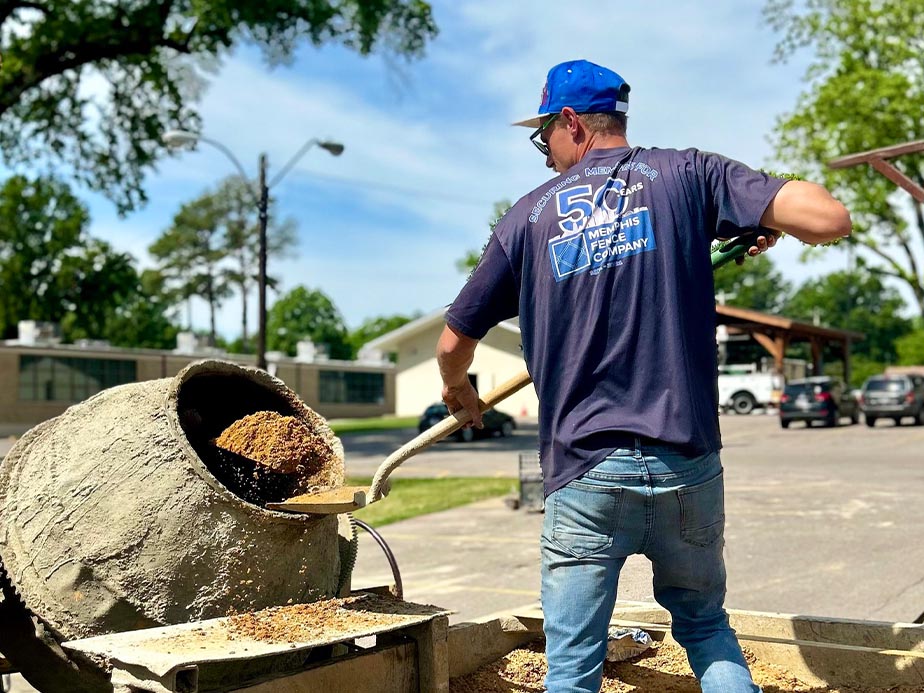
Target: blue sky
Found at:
429, 148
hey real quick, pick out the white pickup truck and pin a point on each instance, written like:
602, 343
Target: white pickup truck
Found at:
742, 388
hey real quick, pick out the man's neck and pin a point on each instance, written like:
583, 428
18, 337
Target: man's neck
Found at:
605, 141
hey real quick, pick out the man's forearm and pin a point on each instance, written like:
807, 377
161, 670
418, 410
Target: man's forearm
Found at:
454, 355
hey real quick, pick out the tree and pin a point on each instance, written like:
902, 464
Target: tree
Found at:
235, 200
467, 264
856, 301
755, 284
40, 222
376, 327
52, 271
910, 348
92, 84
92, 283
307, 313
141, 322
191, 253
864, 90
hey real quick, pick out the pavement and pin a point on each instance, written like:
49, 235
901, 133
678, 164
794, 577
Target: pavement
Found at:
821, 522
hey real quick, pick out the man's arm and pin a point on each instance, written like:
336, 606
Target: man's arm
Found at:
454, 355
808, 212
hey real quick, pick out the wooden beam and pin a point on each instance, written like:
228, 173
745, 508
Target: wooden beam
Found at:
882, 153
846, 346
776, 347
899, 178
817, 357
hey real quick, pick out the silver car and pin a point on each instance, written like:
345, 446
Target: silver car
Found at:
893, 397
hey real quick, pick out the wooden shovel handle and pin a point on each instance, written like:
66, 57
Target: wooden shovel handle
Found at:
446, 427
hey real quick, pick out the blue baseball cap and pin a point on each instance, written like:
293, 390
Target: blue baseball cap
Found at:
585, 87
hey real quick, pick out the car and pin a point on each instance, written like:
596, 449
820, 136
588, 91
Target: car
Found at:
495, 423
821, 398
893, 397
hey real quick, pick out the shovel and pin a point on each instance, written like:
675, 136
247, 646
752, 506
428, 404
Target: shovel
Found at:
345, 499
348, 498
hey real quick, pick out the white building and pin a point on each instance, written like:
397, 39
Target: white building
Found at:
498, 358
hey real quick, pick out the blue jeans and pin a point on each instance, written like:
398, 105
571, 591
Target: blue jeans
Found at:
658, 502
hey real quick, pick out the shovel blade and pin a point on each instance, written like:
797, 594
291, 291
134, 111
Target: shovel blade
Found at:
337, 500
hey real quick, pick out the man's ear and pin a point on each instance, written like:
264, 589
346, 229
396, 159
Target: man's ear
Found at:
571, 120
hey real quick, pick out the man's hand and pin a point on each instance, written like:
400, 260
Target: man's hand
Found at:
454, 354
464, 396
765, 241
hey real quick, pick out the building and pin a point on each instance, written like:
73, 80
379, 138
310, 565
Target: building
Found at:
40, 378
499, 357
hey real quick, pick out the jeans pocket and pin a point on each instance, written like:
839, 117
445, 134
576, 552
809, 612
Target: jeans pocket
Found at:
702, 512
585, 517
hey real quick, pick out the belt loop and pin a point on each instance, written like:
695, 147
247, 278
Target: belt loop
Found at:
638, 448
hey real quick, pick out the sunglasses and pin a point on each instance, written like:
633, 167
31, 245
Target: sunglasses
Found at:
536, 137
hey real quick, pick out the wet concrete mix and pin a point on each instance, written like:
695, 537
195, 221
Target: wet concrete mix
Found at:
664, 668
270, 456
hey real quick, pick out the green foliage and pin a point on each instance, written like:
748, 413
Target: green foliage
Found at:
856, 301
141, 322
191, 254
376, 327
864, 90
861, 368
755, 284
469, 262
91, 85
910, 348
55, 273
94, 281
307, 313
370, 425
40, 223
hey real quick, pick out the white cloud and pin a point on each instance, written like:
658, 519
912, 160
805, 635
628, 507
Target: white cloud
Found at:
700, 74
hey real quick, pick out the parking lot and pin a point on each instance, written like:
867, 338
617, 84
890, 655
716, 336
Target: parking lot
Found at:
819, 521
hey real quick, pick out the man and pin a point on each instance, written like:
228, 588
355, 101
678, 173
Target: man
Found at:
608, 267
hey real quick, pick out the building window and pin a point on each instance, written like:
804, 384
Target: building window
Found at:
64, 379
347, 387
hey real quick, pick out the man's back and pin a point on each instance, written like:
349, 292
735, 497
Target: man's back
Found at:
609, 272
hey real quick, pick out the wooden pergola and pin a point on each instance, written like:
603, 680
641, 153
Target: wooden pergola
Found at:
775, 333
877, 159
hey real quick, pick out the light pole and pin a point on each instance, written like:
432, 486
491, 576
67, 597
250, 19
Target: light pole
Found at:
180, 138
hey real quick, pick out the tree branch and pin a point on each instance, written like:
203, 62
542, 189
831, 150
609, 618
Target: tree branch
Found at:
870, 245
82, 50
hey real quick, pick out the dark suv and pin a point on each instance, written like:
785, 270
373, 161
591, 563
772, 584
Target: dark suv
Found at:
822, 399
893, 397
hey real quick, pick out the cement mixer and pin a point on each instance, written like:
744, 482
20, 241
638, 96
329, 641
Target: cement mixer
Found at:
121, 514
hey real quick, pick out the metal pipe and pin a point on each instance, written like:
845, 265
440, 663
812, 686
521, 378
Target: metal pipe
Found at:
396, 574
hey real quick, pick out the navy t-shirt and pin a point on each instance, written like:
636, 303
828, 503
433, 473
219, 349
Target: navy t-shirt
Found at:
608, 267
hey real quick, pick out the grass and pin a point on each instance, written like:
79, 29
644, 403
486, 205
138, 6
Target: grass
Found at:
382, 423
411, 497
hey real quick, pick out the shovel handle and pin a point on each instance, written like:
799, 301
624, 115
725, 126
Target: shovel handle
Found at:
735, 248
727, 252
446, 427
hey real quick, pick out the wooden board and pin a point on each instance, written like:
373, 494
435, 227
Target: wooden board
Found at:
338, 500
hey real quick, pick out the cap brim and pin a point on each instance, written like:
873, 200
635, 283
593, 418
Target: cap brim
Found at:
534, 122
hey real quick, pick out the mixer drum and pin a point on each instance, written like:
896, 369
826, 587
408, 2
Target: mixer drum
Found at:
114, 515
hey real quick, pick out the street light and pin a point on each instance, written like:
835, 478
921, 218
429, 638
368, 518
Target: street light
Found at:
180, 138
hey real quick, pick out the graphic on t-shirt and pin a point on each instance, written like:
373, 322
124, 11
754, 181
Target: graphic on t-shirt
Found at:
602, 246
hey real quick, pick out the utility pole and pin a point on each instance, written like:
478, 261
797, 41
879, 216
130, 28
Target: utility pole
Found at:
263, 207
